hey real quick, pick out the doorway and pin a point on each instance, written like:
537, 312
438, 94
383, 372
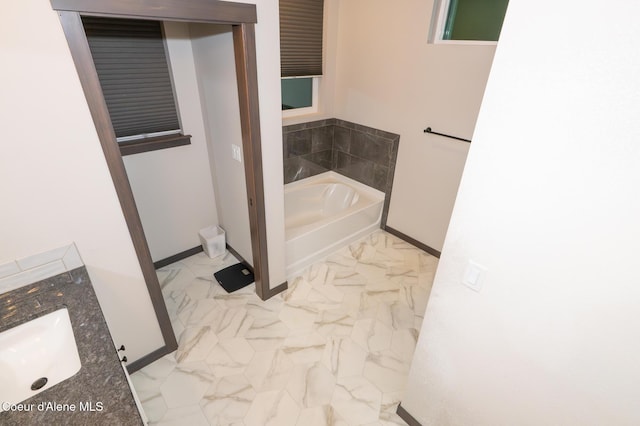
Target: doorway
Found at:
242, 18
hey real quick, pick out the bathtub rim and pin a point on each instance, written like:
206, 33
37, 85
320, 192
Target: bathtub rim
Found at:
331, 177
367, 197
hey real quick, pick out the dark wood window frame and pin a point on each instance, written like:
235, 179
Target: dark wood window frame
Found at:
153, 144
242, 17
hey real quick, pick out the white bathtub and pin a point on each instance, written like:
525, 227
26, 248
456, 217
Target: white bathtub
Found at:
324, 213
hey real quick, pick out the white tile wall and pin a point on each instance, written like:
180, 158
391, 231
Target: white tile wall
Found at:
20, 272
8, 268
72, 258
40, 259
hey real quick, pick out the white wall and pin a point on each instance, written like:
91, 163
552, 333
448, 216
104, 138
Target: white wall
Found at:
54, 182
549, 204
173, 187
388, 77
215, 66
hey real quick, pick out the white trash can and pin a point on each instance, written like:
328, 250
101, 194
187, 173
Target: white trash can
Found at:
213, 240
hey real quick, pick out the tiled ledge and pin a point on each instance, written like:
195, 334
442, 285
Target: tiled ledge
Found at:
20, 272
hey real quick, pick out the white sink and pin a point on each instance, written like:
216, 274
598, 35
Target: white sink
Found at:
36, 355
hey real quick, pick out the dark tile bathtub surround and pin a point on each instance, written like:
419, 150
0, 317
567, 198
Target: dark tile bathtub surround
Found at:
308, 149
100, 379
362, 153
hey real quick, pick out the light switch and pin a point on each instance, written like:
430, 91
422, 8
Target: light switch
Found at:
473, 276
236, 153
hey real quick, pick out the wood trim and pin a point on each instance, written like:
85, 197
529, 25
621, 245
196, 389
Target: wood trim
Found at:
148, 359
277, 289
177, 257
240, 258
247, 74
211, 11
153, 144
412, 241
408, 418
187, 253
79, 47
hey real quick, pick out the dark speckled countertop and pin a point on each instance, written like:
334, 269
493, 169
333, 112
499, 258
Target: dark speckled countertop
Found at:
100, 383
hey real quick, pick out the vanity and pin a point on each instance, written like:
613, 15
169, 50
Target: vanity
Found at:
96, 393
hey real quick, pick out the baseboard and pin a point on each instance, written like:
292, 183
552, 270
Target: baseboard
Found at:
240, 258
149, 358
188, 253
412, 241
276, 290
408, 418
176, 257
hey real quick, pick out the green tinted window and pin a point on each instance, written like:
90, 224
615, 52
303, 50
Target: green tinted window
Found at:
475, 19
297, 92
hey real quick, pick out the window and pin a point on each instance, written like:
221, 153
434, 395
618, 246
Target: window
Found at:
299, 95
472, 21
301, 23
131, 62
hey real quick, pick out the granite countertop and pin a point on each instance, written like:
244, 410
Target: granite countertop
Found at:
100, 385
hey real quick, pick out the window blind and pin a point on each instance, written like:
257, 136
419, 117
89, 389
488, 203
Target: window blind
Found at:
131, 62
301, 37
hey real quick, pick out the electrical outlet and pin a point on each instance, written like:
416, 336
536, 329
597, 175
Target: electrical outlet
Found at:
474, 275
236, 153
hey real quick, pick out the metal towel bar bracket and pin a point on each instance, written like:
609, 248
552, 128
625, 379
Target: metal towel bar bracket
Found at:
428, 130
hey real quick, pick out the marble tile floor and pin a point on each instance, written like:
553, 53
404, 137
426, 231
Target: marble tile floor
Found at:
334, 349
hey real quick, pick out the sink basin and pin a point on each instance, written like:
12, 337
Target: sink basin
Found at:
36, 355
